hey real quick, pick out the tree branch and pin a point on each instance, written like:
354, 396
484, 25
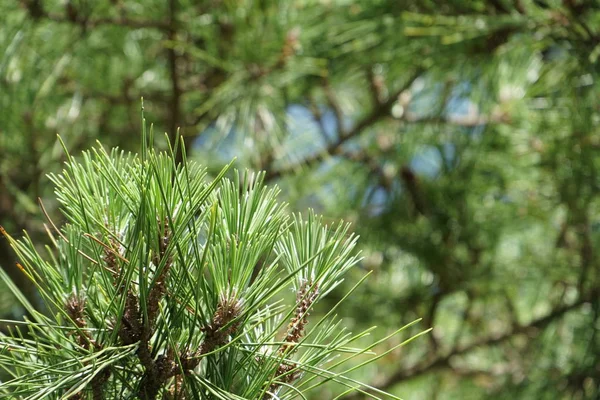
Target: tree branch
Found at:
441, 362
337, 110
318, 117
176, 91
381, 110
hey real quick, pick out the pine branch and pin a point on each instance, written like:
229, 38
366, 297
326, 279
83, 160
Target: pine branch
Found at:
166, 288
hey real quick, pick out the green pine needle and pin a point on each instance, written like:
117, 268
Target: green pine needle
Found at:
163, 283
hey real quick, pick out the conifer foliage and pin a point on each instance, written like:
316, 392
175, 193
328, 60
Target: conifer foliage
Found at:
165, 284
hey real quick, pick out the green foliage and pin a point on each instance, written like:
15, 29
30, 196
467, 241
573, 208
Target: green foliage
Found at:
163, 283
460, 138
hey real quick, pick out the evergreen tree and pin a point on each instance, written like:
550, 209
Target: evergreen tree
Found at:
460, 137
164, 284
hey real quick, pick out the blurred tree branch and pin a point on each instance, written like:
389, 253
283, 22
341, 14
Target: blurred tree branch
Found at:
380, 110
439, 362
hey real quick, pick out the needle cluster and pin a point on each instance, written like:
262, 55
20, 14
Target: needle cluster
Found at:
164, 283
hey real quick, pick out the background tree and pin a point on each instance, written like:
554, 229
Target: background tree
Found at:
460, 137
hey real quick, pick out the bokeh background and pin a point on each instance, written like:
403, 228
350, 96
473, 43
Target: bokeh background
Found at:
461, 138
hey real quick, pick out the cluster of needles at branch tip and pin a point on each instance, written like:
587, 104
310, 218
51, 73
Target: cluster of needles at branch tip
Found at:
172, 287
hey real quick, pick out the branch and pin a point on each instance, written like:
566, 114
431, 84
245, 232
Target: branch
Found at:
372, 164
379, 111
176, 91
441, 362
318, 117
337, 110
376, 85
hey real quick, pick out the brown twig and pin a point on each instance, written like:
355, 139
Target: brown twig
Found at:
337, 109
376, 85
318, 118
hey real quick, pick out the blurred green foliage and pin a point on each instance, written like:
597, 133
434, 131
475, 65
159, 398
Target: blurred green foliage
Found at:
460, 137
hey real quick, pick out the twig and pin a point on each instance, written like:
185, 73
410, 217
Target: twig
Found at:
337, 110
376, 85
318, 117
333, 148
